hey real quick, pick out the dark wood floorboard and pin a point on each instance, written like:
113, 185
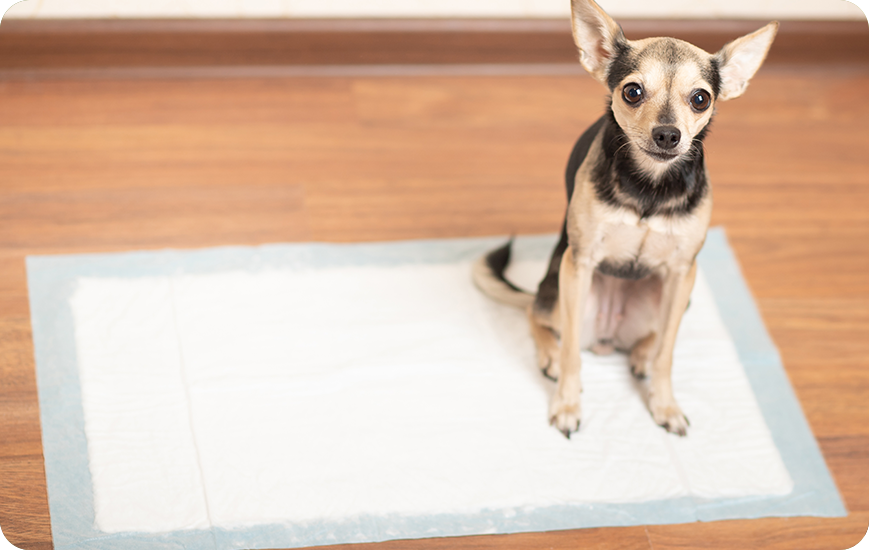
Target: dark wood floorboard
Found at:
89, 166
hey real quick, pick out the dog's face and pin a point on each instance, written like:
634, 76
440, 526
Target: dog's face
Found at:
663, 94
663, 90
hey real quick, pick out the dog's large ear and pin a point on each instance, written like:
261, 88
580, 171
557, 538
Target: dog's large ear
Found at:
596, 35
740, 59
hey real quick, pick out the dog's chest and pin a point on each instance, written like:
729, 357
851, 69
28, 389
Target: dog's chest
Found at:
631, 247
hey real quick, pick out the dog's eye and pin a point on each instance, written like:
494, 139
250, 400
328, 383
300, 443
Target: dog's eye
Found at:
632, 93
700, 100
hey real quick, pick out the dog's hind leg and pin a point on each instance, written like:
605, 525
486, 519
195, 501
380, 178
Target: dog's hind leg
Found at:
546, 328
543, 315
546, 341
641, 356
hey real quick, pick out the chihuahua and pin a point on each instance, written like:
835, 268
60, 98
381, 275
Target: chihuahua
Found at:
639, 204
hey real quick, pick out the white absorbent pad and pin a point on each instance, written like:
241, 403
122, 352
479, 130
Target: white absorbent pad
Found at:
297, 395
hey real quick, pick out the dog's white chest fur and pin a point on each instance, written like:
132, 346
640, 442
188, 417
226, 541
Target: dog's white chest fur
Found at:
624, 237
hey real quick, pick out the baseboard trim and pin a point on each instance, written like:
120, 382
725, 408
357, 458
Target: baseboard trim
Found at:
95, 45
295, 71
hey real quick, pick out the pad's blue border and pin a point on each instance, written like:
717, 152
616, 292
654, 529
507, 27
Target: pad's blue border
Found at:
51, 280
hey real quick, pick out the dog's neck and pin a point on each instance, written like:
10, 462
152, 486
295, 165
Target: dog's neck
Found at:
621, 181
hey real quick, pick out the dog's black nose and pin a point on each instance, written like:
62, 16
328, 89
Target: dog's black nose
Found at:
666, 137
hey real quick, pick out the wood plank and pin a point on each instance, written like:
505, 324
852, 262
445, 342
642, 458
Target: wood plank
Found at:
624, 538
766, 534
23, 502
847, 457
38, 104
151, 217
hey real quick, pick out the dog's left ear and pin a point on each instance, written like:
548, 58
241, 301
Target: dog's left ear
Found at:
740, 59
596, 35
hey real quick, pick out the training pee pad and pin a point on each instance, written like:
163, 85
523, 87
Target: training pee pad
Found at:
307, 394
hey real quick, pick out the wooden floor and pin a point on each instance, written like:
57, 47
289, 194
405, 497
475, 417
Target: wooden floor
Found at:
110, 165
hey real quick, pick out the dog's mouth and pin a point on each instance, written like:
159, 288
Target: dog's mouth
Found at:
662, 157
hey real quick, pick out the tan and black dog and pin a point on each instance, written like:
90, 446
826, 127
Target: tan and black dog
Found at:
639, 204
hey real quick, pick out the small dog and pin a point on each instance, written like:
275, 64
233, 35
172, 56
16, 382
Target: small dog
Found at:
639, 205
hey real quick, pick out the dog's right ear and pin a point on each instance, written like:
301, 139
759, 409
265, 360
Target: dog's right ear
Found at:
596, 35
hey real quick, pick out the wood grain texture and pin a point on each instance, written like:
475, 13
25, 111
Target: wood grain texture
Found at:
91, 166
155, 216
628, 538
769, 533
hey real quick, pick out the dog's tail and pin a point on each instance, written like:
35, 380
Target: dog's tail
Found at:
488, 273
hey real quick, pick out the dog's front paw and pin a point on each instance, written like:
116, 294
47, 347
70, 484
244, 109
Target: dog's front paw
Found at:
564, 415
669, 416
